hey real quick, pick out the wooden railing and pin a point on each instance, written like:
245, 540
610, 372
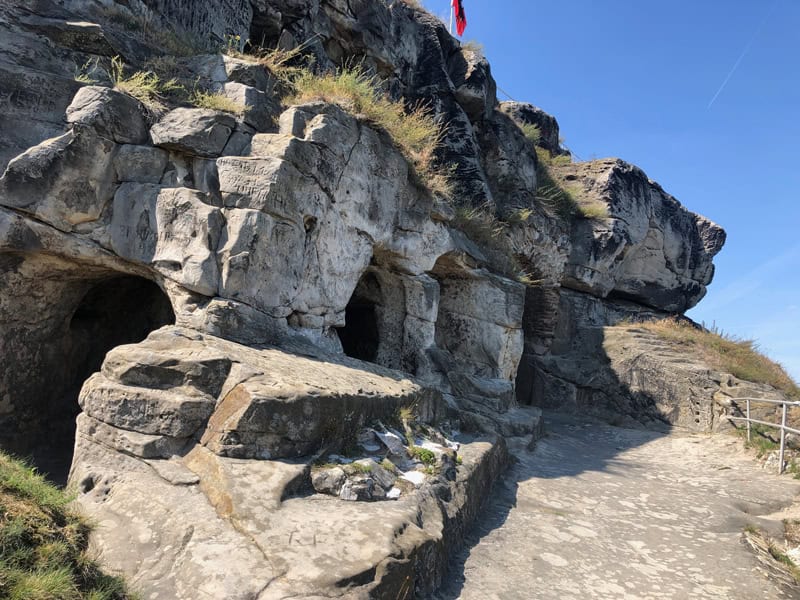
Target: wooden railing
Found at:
782, 425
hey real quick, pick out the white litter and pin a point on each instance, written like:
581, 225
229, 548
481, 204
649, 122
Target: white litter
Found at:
393, 494
415, 477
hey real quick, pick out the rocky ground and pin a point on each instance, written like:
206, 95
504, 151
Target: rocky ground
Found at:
603, 512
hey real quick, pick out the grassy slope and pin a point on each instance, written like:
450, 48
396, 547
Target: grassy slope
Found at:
739, 357
43, 543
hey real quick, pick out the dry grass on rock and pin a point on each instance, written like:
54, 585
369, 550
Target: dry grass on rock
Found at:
737, 356
416, 133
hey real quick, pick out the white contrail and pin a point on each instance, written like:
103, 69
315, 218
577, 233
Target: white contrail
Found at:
744, 53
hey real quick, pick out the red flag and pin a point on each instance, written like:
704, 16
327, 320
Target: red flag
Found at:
461, 16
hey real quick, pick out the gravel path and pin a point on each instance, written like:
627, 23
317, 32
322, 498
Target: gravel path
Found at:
602, 512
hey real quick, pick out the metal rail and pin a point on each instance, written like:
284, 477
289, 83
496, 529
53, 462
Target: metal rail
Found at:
782, 426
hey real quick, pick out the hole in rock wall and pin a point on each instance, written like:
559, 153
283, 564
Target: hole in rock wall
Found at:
375, 321
114, 311
360, 336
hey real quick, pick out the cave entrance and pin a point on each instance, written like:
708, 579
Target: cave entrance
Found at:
360, 335
112, 312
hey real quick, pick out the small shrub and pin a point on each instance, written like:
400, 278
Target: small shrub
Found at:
216, 101
592, 209
388, 465
425, 456
737, 356
146, 86
472, 46
532, 132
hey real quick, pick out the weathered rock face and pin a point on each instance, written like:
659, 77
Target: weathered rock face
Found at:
238, 296
602, 363
650, 250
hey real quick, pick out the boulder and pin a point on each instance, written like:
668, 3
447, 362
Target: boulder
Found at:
172, 229
64, 181
260, 111
194, 131
112, 114
523, 113
140, 164
328, 480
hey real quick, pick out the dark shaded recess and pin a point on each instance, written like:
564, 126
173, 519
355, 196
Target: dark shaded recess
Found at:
116, 311
360, 338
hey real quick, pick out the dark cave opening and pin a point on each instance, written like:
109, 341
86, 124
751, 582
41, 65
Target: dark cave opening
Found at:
115, 311
360, 336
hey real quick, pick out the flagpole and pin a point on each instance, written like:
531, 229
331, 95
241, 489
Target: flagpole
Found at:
451, 17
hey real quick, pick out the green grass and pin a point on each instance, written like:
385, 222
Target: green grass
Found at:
532, 132
415, 132
737, 356
43, 543
760, 439
425, 456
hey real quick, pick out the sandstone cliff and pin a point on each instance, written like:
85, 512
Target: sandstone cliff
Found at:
228, 298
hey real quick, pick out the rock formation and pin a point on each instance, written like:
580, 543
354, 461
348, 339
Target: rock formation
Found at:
225, 300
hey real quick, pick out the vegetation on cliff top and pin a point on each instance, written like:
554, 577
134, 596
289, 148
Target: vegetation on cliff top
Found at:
737, 356
565, 199
416, 132
43, 543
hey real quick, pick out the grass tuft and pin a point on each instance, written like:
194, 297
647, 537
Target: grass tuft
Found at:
416, 132
43, 543
567, 201
737, 356
481, 225
532, 132
425, 456
146, 86
357, 468
472, 46
216, 101
282, 64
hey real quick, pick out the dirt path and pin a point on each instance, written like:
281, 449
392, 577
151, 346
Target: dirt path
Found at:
602, 512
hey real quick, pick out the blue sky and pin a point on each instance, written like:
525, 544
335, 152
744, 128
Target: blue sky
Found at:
635, 79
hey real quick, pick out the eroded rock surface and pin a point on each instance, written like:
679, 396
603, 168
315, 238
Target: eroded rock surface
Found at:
234, 297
